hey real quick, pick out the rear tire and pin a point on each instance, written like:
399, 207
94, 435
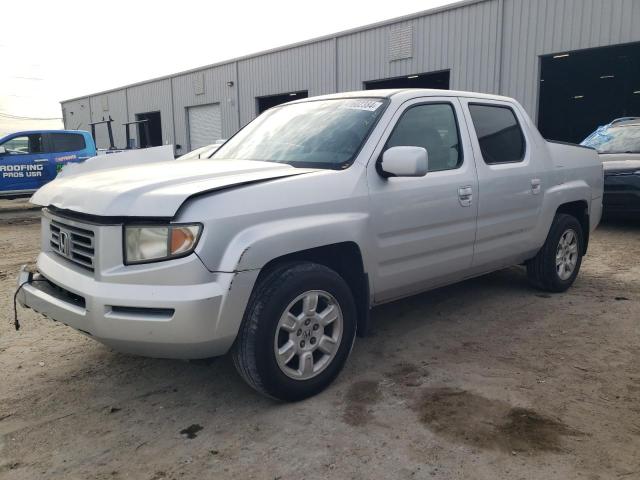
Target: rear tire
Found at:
297, 332
557, 264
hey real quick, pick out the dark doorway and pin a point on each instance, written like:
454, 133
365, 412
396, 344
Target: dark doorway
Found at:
584, 89
155, 130
437, 80
265, 103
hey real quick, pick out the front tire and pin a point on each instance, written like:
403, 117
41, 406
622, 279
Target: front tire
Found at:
297, 332
557, 264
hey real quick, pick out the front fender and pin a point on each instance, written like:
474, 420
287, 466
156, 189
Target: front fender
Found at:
253, 247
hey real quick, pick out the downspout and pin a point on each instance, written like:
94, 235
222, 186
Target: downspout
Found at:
173, 118
237, 96
499, 53
126, 110
335, 64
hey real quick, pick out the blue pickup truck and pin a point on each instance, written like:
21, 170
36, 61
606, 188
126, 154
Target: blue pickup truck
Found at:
30, 159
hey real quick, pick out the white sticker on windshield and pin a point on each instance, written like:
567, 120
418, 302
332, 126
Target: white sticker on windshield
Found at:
368, 105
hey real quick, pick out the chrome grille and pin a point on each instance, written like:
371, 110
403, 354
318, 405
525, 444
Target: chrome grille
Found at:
73, 243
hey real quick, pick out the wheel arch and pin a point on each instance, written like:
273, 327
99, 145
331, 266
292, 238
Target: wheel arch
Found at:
580, 210
345, 258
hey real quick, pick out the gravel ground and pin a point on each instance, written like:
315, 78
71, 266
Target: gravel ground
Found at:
486, 379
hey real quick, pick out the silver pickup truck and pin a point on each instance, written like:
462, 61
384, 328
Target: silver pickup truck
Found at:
276, 247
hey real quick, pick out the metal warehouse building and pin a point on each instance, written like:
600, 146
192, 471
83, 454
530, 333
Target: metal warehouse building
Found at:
573, 64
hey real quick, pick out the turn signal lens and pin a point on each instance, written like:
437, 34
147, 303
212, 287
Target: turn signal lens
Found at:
183, 239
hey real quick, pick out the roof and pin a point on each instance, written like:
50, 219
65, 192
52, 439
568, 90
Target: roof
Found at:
405, 92
382, 93
404, 18
31, 132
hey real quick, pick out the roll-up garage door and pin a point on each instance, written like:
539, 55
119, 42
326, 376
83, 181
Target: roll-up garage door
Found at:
205, 125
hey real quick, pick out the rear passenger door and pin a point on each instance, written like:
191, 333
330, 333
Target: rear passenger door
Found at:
509, 182
423, 228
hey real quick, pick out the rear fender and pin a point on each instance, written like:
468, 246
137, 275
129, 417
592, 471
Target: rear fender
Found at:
555, 197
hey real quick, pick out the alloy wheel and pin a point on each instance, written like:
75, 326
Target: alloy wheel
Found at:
308, 334
567, 254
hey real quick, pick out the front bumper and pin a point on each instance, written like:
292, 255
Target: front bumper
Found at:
169, 321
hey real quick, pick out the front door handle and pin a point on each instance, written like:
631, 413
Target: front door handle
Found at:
535, 186
465, 196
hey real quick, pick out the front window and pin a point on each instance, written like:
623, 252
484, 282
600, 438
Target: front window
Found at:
317, 134
433, 127
23, 145
616, 139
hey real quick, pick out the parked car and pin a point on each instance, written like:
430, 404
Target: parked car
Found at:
277, 246
202, 152
618, 144
30, 159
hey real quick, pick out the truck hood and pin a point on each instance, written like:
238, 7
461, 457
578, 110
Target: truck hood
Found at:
154, 189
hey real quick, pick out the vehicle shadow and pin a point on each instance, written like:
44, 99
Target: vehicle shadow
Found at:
215, 382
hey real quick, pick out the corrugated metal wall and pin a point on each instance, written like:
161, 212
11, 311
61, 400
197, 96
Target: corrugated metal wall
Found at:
309, 67
112, 104
463, 40
152, 97
488, 46
187, 93
77, 114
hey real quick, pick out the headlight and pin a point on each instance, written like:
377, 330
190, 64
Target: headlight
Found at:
144, 244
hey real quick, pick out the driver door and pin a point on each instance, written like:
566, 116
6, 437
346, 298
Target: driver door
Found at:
424, 227
23, 165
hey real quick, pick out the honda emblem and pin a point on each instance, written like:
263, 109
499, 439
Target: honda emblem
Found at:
64, 243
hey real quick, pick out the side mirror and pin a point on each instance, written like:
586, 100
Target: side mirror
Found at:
3, 150
404, 162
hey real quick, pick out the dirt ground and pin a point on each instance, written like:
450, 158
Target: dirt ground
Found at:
486, 379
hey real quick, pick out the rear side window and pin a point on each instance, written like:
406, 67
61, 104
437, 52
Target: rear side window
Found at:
499, 134
67, 142
431, 126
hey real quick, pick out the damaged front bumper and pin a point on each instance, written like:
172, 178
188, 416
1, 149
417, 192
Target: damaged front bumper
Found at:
168, 321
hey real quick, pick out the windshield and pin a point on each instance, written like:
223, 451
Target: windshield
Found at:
615, 139
318, 134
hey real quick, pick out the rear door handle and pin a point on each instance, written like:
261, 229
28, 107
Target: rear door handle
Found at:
535, 186
465, 196
41, 160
